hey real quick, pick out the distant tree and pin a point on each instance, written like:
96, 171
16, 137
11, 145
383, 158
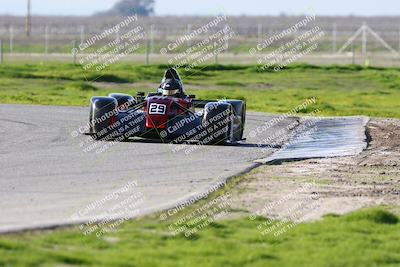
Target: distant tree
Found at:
131, 7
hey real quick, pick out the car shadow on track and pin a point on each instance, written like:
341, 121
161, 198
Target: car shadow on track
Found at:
238, 144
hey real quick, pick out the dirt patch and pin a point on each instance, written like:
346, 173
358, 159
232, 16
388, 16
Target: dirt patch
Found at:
309, 189
263, 85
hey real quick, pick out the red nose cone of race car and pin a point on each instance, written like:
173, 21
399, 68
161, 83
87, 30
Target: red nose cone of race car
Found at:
157, 112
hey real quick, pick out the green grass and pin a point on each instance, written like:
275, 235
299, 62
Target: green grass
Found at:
363, 238
368, 237
339, 90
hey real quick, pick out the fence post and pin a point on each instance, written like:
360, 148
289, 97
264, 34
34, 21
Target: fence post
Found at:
334, 36
118, 36
353, 49
152, 38
259, 33
188, 31
11, 40
226, 39
82, 32
147, 51
364, 39
74, 51
399, 38
1, 51
46, 40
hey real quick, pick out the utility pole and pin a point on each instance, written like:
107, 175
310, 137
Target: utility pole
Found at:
28, 19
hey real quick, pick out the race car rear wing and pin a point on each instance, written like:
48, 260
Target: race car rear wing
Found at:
202, 103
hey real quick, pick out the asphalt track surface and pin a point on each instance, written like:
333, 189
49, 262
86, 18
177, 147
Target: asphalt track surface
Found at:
50, 175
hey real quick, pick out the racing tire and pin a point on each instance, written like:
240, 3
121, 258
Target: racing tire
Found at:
103, 113
239, 110
124, 101
217, 123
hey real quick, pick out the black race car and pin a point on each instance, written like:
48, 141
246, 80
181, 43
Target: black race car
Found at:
168, 115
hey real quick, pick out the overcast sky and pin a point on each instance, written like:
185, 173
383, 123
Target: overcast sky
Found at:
212, 7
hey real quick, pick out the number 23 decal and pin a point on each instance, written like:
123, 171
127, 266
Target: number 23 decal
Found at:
157, 109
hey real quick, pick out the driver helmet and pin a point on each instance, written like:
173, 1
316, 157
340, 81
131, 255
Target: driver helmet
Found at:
171, 87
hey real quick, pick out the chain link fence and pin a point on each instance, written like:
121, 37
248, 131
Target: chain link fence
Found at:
54, 37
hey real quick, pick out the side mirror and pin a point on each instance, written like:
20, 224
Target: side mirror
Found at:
140, 94
192, 96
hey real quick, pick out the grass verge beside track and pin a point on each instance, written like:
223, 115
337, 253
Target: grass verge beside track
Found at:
339, 90
368, 237
363, 238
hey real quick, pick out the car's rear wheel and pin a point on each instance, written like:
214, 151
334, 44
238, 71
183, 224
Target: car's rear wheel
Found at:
124, 101
239, 111
217, 123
